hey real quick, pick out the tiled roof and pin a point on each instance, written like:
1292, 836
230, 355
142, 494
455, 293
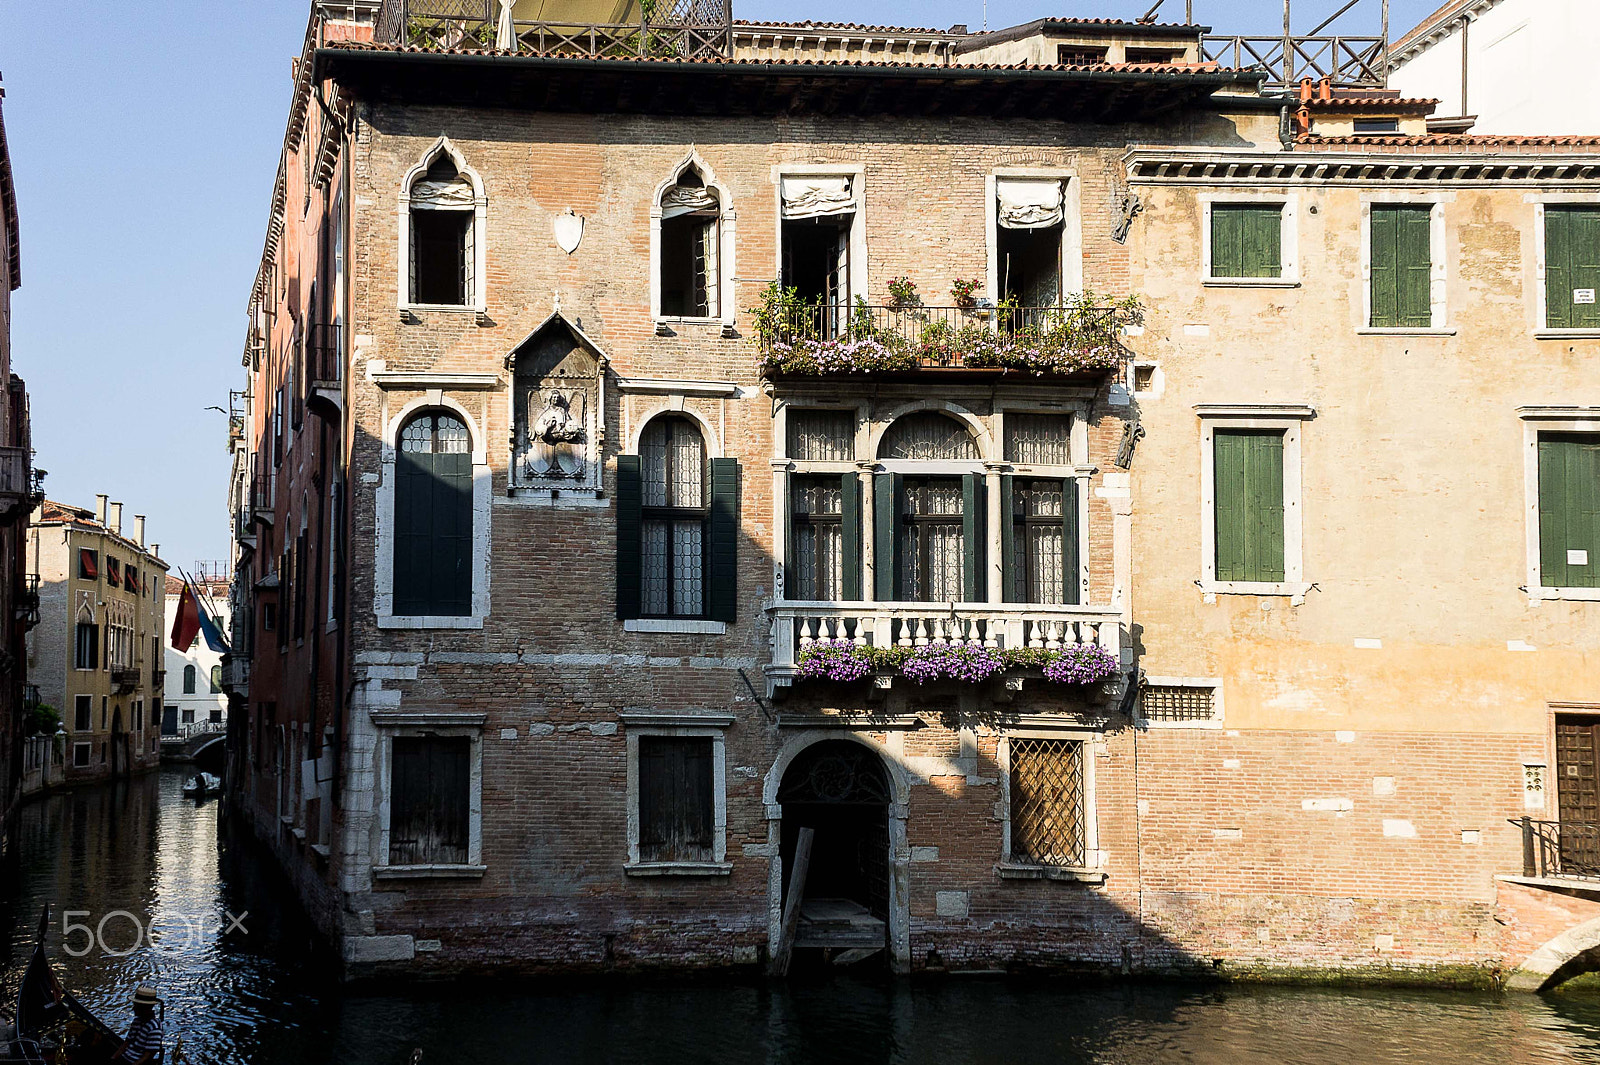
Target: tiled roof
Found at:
53, 513
843, 64
1444, 13
1447, 140
845, 27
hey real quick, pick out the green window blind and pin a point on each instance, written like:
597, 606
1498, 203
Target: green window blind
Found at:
1248, 485
850, 534
1246, 240
724, 539
1569, 510
630, 537
974, 531
887, 490
1402, 266
1571, 267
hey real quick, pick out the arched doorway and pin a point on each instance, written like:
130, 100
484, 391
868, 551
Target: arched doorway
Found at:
119, 745
839, 789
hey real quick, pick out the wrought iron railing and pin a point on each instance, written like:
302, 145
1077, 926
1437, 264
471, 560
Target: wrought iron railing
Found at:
801, 338
1362, 61
1560, 850
324, 354
683, 29
261, 495
27, 605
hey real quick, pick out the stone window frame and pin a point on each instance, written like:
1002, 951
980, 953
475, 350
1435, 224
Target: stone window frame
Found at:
1092, 741
860, 268
1540, 298
1218, 716
727, 241
482, 500
1537, 420
478, 299
685, 724
1438, 250
1284, 417
443, 723
86, 746
1288, 238
1071, 224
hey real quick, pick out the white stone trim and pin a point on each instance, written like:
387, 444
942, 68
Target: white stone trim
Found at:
383, 539
1092, 741
1218, 711
686, 726
1288, 237
1541, 297
1288, 419
1537, 420
987, 449
645, 386
673, 405
1071, 224
477, 299
439, 723
727, 230
857, 173
1438, 258
404, 381
678, 625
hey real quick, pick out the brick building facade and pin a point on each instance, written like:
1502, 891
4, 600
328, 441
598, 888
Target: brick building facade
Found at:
581, 569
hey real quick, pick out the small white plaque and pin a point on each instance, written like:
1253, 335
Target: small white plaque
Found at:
1577, 558
1583, 295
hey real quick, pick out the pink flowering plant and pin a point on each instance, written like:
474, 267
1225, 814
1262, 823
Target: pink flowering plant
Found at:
967, 663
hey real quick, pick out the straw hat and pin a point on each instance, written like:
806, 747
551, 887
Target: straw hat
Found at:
145, 996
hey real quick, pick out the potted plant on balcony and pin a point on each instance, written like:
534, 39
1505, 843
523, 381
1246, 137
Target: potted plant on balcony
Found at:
964, 291
903, 295
843, 661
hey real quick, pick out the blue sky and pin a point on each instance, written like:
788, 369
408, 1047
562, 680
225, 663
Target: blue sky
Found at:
145, 138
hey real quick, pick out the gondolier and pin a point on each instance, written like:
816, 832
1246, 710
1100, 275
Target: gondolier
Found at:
143, 1044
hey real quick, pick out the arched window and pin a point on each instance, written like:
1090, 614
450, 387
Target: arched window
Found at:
216, 679
691, 237
677, 526
928, 434
188, 680
433, 517
932, 548
443, 233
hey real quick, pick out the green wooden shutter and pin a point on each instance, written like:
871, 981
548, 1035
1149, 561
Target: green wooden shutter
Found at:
1402, 266
433, 536
1008, 541
850, 534
1569, 510
1069, 541
1247, 480
974, 532
1572, 261
1246, 240
887, 489
724, 539
630, 536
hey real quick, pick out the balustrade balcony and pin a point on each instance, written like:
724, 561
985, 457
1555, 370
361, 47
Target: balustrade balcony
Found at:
797, 625
685, 29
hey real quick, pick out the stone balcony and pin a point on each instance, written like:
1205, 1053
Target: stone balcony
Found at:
797, 625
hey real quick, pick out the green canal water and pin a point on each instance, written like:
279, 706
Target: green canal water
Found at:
146, 874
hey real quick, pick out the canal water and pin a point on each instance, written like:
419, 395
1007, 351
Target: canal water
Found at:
150, 891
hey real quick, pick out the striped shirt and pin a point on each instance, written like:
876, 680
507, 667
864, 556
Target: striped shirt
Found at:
143, 1038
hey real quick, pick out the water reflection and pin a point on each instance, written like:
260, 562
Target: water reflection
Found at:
141, 852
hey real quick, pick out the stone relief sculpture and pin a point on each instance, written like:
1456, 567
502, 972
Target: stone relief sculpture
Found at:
557, 435
558, 386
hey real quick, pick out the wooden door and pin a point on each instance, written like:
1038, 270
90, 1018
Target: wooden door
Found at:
1578, 792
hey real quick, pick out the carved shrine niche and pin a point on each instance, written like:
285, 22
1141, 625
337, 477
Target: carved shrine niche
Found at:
558, 410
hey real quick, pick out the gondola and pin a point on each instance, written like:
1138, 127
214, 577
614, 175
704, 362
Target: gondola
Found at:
202, 784
51, 1027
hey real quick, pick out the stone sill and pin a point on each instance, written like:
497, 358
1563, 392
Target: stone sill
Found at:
685, 625
1251, 282
1567, 334
678, 868
1018, 871
1403, 331
428, 872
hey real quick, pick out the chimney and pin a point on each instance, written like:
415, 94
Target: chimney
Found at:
100, 509
138, 529
114, 522
155, 549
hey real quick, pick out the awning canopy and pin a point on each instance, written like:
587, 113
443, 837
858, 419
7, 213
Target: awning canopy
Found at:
687, 199
817, 197
1028, 203
442, 195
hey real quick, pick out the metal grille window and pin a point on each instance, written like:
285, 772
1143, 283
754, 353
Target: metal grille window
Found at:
928, 435
1048, 819
931, 540
1178, 702
1039, 438
1039, 575
676, 509
818, 565
822, 435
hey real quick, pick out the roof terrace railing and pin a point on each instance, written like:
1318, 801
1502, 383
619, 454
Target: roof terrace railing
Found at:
1362, 61
682, 29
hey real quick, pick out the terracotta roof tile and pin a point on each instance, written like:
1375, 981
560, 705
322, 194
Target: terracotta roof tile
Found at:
1447, 140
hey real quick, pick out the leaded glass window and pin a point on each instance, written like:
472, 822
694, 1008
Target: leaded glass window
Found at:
931, 540
1040, 439
1038, 542
676, 509
817, 569
822, 435
928, 435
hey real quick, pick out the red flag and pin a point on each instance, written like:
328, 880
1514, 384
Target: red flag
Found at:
186, 623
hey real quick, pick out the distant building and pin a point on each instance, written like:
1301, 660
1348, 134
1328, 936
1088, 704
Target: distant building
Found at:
1517, 67
194, 698
17, 498
97, 653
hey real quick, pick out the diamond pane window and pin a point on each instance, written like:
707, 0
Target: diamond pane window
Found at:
1039, 438
928, 435
822, 435
1048, 820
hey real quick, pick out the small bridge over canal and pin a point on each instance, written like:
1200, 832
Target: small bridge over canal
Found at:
202, 746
